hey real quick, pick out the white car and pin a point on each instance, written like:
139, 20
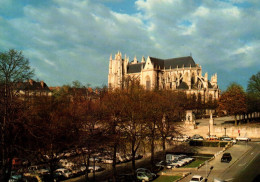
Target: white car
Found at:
67, 164
166, 164
243, 139
181, 163
96, 168
144, 176
147, 171
174, 163
107, 161
197, 178
65, 172
188, 160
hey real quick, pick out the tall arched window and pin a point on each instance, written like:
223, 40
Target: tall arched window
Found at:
148, 82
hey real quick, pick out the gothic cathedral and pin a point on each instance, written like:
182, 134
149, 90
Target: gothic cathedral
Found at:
180, 74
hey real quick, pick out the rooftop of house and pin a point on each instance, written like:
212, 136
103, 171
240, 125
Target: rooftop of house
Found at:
33, 85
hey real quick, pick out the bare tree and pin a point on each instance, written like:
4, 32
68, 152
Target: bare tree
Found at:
132, 123
152, 115
14, 68
173, 105
112, 108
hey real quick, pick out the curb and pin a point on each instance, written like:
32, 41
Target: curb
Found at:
184, 176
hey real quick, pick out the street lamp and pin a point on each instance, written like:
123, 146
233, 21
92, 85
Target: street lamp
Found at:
225, 131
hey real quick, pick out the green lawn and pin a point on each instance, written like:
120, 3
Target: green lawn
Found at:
167, 178
195, 163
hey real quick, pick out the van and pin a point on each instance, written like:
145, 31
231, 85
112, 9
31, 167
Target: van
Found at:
170, 157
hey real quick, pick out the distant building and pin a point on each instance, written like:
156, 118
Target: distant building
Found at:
87, 93
181, 74
33, 88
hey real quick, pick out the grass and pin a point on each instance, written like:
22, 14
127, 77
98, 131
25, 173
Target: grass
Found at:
167, 178
195, 163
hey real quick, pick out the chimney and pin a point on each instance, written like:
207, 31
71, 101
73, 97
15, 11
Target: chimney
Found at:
31, 81
42, 84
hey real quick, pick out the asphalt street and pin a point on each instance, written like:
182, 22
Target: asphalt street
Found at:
244, 166
249, 167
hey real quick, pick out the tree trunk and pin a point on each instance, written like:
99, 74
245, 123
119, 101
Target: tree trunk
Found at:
164, 148
4, 176
114, 150
94, 171
152, 151
133, 156
51, 164
114, 162
235, 117
87, 165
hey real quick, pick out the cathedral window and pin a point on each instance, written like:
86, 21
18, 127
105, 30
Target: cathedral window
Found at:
148, 82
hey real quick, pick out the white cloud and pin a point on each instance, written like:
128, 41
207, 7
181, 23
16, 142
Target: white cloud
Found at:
74, 39
49, 62
201, 11
243, 50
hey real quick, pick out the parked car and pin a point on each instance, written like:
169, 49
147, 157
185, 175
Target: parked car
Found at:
32, 177
197, 137
66, 164
181, 138
15, 176
96, 168
144, 176
212, 137
32, 169
96, 159
166, 164
64, 172
228, 139
107, 160
243, 139
188, 159
197, 178
170, 157
226, 157
147, 171
78, 170
175, 163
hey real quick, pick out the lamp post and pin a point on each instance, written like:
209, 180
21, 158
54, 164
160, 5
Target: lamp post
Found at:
209, 130
225, 131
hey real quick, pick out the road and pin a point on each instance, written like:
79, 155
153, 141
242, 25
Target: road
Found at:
249, 167
244, 166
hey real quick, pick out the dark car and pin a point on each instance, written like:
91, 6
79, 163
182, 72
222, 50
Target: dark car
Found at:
226, 157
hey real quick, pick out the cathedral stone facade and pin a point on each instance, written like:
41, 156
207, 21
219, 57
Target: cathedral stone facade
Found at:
180, 74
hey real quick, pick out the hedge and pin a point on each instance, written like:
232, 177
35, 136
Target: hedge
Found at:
208, 143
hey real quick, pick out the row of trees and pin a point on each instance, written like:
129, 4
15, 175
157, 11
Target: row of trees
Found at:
41, 128
235, 101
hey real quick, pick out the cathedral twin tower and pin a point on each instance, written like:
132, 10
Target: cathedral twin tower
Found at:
181, 74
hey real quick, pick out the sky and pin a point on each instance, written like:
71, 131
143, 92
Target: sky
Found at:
69, 40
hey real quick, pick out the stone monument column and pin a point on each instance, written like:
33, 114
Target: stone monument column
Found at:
190, 119
211, 120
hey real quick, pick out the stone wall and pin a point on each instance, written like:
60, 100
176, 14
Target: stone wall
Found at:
245, 130
231, 131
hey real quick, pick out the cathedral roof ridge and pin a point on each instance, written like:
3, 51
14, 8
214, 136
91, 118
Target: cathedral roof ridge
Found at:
136, 63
